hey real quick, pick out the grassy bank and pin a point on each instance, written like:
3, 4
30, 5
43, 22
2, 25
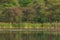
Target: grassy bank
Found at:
29, 25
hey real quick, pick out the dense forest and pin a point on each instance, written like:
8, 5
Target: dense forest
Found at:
30, 11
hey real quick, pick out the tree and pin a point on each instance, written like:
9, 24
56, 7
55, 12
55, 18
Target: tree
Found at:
12, 15
29, 14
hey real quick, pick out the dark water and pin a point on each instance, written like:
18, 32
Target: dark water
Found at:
28, 36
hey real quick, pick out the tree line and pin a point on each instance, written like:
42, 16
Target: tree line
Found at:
30, 11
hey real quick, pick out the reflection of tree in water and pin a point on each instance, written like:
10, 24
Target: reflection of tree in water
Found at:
28, 36
4, 36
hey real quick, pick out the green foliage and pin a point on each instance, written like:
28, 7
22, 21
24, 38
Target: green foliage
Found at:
24, 3
45, 11
14, 3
